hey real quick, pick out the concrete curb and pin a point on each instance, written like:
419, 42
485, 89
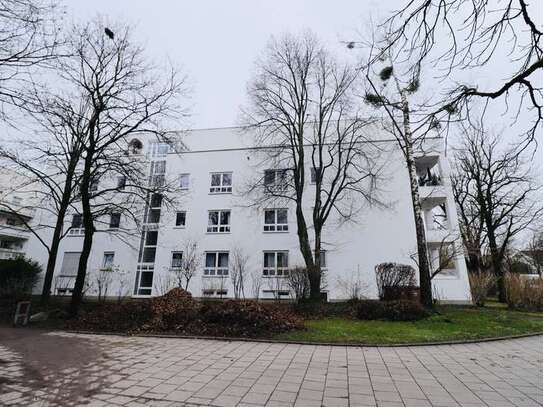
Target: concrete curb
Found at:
278, 341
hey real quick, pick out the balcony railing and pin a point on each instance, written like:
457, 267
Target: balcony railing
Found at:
8, 254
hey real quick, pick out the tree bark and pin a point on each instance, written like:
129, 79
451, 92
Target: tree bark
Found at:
425, 281
59, 225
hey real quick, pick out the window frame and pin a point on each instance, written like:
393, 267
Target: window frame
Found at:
216, 271
111, 217
275, 227
187, 177
273, 272
222, 188
275, 186
180, 266
216, 229
107, 253
180, 226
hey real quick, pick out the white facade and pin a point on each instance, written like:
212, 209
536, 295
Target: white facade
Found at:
227, 157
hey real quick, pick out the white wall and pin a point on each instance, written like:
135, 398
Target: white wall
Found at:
378, 234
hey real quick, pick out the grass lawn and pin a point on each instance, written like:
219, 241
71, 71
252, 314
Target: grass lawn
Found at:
449, 323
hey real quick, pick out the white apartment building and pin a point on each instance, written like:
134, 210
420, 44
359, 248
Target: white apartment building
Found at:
16, 211
213, 210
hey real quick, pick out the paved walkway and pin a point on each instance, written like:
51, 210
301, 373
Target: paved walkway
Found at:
40, 368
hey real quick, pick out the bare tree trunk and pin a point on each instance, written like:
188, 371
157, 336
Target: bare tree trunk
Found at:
305, 249
59, 225
497, 266
425, 281
88, 223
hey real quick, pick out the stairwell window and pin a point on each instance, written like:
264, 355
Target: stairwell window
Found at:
221, 183
218, 221
276, 220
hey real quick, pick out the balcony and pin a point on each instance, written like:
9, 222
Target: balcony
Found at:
14, 232
436, 221
429, 178
8, 254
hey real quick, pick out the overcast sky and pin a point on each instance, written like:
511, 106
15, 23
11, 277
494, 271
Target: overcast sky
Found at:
216, 42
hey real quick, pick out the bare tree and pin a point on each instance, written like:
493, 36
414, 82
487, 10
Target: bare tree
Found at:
239, 271
472, 224
115, 96
392, 94
472, 32
28, 40
535, 252
256, 283
189, 265
502, 189
49, 162
301, 108
298, 282
103, 278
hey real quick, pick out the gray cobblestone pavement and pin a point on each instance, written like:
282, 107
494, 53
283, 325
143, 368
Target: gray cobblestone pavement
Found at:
38, 368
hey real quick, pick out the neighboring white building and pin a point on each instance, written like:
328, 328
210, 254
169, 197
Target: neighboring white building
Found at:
16, 211
213, 210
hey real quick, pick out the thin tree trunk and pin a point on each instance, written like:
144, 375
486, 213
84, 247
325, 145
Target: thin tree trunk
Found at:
497, 265
425, 281
55, 242
305, 249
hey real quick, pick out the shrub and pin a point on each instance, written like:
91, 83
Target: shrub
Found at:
391, 276
400, 310
298, 281
173, 310
480, 284
522, 292
18, 277
245, 319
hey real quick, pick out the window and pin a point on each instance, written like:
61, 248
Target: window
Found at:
146, 259
323, 258
216, 264
314, 175
107, 262
180, 218
17, 200
221, 182
121, 183
77, 225
210, 292
275, 220
219, 221
135, 146
275, 179
157, 149
94, 185
275, 264
184, 181
157, 174
70, 263
144, 281
114, 220
177, 260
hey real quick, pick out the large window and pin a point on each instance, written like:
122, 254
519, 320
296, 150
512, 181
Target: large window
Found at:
184, 181
180, 219
177, 260
275, 220
157, 149
219, 221
107, 262
275, 264
216, 264
275, 179
146, 259
221, 182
